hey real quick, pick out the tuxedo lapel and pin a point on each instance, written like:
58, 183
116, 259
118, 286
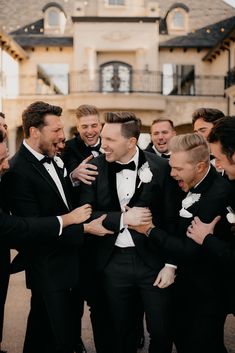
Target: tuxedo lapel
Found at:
40, 169
202, 188
60, 173
113, 186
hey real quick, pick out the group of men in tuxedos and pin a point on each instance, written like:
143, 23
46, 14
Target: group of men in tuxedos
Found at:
134, 212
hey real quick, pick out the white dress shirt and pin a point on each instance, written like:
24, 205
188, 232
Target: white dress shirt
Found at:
125, 182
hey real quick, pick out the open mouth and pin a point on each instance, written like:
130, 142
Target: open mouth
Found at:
180, 183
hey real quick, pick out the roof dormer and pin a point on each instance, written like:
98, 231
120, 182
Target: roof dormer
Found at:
54, 18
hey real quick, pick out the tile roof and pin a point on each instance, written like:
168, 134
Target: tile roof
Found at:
206, 37
27, 41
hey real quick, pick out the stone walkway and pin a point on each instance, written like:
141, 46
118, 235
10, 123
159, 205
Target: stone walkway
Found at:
17, 307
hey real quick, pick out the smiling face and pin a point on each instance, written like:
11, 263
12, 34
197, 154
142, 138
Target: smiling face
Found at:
161, 133
184, 171
202, 127
47, 139
89, 128
117, 147
222, 161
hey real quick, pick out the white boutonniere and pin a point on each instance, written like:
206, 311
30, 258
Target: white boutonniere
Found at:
185, 214
189, 200
60, 164
231, 215
145, 174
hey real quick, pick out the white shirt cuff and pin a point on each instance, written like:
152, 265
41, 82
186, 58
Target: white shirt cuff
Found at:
121, 226
172, 266
75, 182
61, 224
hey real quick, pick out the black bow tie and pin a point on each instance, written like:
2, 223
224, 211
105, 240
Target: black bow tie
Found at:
117, 167
94, 148
164, 155
46, 159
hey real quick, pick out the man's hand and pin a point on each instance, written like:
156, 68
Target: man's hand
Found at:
199, 230
165, 277
78, 215
85, 172
143, 228
95, 227
136, 216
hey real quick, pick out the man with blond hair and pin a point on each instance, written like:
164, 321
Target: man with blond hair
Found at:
200, 313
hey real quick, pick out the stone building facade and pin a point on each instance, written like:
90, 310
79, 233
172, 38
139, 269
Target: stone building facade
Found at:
156, 58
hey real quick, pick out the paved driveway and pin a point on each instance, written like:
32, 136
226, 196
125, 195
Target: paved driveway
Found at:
17, 307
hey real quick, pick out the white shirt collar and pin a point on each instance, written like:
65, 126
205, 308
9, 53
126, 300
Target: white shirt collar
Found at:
36, 154
203, 177
135, 158
97, 143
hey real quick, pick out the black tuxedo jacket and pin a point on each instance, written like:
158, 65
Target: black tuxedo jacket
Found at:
74, 153
30, 191
199, 275
149, 148
159, 195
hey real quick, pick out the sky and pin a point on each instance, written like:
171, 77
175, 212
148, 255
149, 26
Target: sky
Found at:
230, 2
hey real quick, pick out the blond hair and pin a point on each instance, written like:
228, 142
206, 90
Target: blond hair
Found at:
195, 144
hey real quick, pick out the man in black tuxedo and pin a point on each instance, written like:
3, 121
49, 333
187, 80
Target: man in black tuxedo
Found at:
130, 265
36, 186
200, 304
84, 146
76, 155
222, 144
162, 130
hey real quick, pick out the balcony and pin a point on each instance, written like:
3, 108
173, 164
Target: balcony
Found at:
230, 78
140, 82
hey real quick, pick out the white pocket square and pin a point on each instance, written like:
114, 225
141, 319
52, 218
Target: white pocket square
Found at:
185, 214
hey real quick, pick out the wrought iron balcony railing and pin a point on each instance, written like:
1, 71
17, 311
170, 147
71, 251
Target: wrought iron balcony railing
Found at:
230, 78
146, 82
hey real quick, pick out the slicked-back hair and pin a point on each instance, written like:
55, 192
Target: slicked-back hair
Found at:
163, 120
195, 144
130, 124
86, 110
224, 132
34, 115
210, 115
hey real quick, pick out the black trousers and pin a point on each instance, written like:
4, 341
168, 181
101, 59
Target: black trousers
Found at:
125, 277
4, 280
49, 323
196, 332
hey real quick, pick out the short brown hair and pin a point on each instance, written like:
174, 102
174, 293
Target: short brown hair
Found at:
224, 132
210, 115
130, 123
195, 144
163, 120
34, 115
85, 110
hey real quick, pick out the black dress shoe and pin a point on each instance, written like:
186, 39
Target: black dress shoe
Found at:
80, 348
140, 342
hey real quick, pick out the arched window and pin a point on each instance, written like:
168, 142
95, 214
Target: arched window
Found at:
53, 18
178, 20
115, 77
